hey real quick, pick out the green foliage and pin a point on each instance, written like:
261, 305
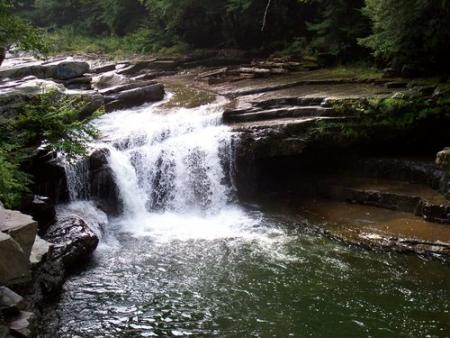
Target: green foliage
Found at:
18, 32
51, 122
396, 114
410, 32
336, 30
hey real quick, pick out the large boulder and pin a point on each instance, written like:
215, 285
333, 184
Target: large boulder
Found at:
66, 69
73, 241
135, 97
22, 228
108, 80
104, 189
14, 95
14, 264
59, 70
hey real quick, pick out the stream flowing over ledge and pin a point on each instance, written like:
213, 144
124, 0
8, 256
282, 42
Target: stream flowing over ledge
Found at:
213, 206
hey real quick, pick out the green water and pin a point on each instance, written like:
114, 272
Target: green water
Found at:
272, 279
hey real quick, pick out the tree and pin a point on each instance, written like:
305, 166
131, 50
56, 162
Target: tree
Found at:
338, 26
18, 32
410, 34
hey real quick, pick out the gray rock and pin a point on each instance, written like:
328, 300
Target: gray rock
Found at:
135, 97
67, 69
22, 325
22, 228
10, 302
40, 250
103, 68
14, 264
60, 70
109, 80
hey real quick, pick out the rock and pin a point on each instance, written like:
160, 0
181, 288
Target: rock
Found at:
135, 97
73, 241
82, 82
15, 95
10, 302
104, 68
14, 264
22, 325
42, 210
40, 250
22, 228
60, 70
128, 86
443, 159
109, 80
4, 331
103, 186
67, 69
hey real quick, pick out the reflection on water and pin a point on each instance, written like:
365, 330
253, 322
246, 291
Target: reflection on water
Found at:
266, 277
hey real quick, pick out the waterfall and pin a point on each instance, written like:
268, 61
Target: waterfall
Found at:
78, 180
170, 160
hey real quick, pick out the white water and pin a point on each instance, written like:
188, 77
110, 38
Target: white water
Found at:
173, 168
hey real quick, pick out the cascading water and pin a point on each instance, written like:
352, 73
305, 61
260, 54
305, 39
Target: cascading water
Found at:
184, 259
170, 161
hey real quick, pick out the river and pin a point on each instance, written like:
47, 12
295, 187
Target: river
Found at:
186, 259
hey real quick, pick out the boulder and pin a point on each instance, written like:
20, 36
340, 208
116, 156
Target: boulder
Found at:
135, 97
15, 95
22, 325
40, 250
14, 264
59, 70
73, 241
41, 208
103, 186
443, 159
108, 80
10, 302
22, 228
67, 69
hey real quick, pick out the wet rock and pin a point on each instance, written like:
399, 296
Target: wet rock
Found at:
50, 177
103, 185
135, 97
73, 241
443, 161
433, 212
14, 264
